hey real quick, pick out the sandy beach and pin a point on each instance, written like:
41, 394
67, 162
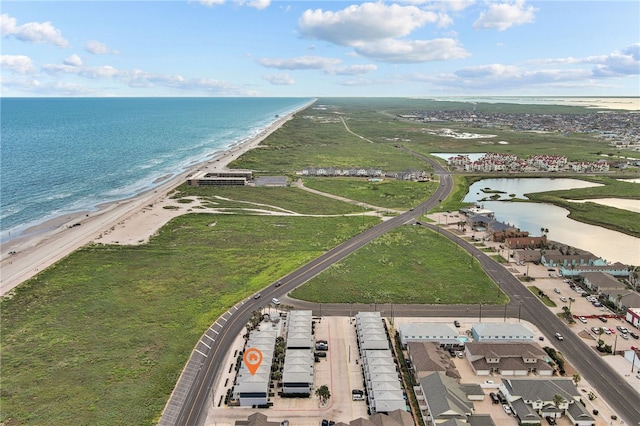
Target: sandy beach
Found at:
129, 221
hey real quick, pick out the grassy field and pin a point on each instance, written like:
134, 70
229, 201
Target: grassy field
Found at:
389, 193
271, 199
101, 337
411, 264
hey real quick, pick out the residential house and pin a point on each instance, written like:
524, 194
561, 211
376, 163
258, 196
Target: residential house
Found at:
600, 281
616, 269
515, 243
428, 357
507, 359
622, 299
536, 396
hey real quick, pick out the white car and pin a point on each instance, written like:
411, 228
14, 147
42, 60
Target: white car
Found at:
275, 301
582, 320
559, 336
507, 409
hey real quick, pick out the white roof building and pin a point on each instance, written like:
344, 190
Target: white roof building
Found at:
429, 332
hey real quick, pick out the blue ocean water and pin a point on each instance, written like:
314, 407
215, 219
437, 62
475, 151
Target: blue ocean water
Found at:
63, 155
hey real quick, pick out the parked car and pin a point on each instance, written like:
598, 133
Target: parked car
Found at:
550, 420
634, 335
622, 329
603, 319
321, 354
625, 336
322, 347
456, 323
507, 409
563, 299
605, 330
582, 320
494, 398
596, 330
556, 290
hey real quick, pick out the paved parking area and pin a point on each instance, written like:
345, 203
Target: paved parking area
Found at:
340, 371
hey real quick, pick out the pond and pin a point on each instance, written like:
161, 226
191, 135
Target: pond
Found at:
610, 245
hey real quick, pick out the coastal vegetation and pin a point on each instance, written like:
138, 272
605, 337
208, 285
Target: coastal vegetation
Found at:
418, 266
101, 337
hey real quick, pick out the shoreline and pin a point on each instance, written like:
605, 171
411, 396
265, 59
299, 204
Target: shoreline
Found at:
120, 222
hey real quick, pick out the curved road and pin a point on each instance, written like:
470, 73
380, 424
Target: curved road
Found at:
187, 404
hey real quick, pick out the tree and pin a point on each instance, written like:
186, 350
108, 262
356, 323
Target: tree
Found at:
576, 379
323, 393
557, 400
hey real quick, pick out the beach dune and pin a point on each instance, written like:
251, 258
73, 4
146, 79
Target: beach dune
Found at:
129, 221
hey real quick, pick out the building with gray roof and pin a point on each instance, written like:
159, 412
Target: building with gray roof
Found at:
501, 331
382, 380
298, 369
443, 399
539, 394
511, 359
253, 389
441, 333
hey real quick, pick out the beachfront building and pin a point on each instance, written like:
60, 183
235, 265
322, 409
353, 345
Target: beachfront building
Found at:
221, 178
253, 389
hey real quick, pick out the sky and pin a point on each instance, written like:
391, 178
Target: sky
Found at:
297, 48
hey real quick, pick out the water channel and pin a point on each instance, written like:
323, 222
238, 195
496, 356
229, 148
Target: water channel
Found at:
610, 245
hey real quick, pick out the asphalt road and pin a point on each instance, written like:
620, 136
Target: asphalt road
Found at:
618, 393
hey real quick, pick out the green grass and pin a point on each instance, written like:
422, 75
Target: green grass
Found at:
408, 265
390, 193
101, 337
274, 199
545, 299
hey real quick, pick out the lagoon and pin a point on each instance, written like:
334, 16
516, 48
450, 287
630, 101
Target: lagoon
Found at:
610, 245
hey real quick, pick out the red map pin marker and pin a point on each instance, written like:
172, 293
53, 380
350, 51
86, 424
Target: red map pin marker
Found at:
252, 359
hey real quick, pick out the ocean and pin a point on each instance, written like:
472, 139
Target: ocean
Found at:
65, 155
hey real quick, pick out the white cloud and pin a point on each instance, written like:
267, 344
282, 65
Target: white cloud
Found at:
505, 15
412, 51
211, 2
452, 5
351, 69
283, 79
374, 30
619, 63
300, 63
98, 48
73, 60
32, 32
18, 64
366, 22
257, 4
